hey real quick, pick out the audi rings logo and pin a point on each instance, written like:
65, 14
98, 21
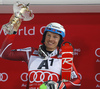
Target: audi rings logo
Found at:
3, 77
97, 77
24, 77
97, 52
80, 76
40, 76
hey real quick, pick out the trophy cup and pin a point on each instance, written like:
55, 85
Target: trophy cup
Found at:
21, 11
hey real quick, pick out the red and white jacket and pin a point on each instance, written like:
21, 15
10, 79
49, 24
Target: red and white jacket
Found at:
39, 70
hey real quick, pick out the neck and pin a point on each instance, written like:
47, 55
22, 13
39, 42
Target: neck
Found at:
49, 49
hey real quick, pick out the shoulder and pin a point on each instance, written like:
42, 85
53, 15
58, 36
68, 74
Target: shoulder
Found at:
35, 52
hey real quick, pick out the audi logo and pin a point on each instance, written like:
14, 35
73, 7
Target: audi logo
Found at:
96, 77
34, 76
97, 52
80, 76
41, 76
24, 77
3, 77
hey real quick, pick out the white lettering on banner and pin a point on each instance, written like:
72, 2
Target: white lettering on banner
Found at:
39, 76
41, 29
98, 86
24, 77
98, 60
76, 51
26, 31
96, 77
22, 31
3, 77
34, 88
29, 32
24, 85
96, 52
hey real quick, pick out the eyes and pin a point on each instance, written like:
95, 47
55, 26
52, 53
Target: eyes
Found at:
52, 35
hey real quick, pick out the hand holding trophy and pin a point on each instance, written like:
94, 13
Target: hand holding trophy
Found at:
21, 13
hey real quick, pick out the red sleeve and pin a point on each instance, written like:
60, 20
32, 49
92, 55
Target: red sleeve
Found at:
74, 83
9, 54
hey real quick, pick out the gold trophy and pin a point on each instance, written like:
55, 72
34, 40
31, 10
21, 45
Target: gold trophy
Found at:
21, 11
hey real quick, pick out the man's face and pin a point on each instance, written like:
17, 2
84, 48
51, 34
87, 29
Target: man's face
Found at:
51, 41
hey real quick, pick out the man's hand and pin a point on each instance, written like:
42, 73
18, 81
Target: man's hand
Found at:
17, 23
53, 85
13, 25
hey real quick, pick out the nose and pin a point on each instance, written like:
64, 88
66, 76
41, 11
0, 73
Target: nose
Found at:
51, 38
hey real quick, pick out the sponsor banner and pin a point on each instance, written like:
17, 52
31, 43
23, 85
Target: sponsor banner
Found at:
3, 77
82, 31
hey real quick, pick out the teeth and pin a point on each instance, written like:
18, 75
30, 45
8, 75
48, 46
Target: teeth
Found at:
50, 43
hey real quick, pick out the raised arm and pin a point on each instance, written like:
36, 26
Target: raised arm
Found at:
6, 51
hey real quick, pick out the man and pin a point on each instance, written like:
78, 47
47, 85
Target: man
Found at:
44, 63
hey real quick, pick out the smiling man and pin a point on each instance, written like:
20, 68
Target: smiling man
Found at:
44, 63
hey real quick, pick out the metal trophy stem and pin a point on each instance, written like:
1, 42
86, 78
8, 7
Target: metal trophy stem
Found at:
21, 11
